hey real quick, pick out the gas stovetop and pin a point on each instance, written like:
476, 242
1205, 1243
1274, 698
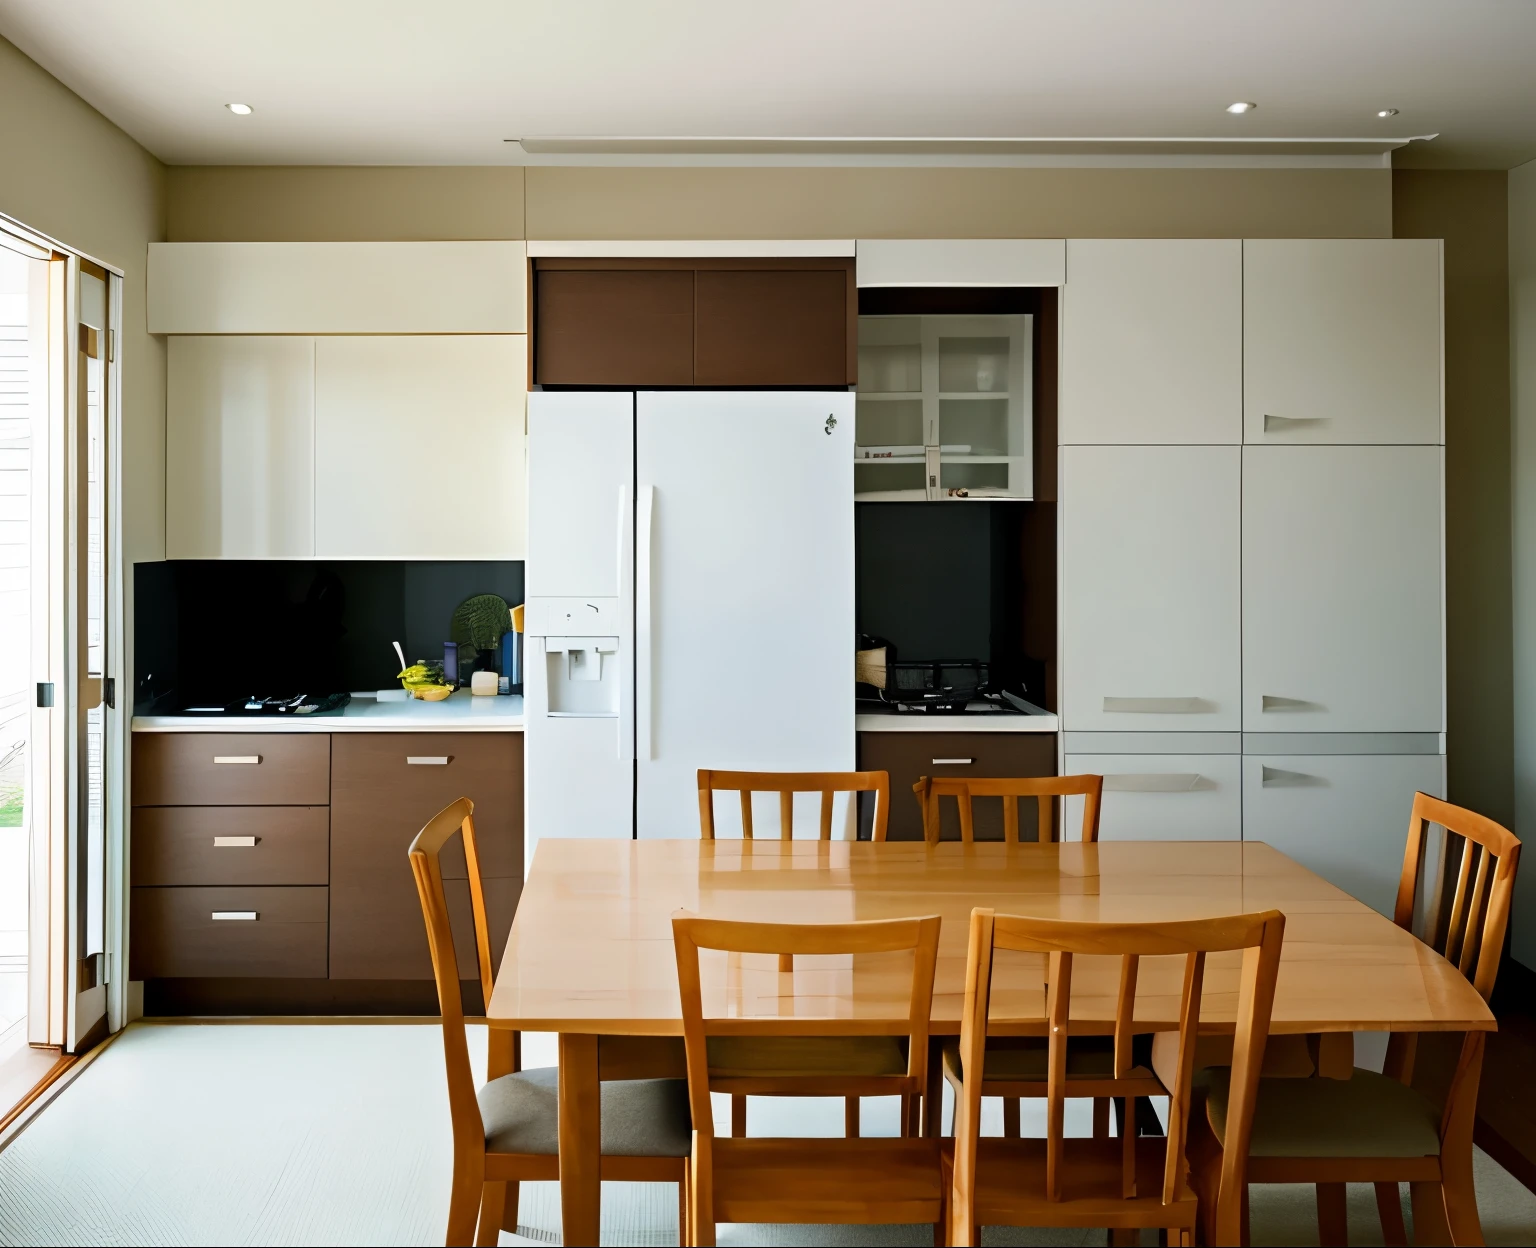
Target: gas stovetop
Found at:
275, 704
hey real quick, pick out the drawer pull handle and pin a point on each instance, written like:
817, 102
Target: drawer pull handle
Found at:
1269, 702
1152, 782
1279, 424
244, 760
235, 842
953, 762
1158, 706
1280, 778
427, 760
234, 916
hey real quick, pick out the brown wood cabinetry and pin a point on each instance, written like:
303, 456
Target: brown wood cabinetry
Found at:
231, 769
739, 322
910, 755
228, 932
380, 798
191, 845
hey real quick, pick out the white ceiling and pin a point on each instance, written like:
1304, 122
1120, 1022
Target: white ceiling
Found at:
413, 82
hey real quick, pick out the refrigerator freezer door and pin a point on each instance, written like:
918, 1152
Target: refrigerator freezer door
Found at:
577, 739
745, 654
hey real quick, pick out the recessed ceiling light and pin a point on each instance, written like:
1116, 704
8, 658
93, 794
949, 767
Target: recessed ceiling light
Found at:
1242, 106
239, 110
1386, 112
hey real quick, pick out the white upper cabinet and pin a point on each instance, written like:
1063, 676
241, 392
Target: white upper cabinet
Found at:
1341, 341
239, 455
338, 288
960, 261
1151, 341
1150, 588
1343, 604
419, 447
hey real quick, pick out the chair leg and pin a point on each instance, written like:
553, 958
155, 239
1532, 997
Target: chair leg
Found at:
493, 1204
464, 1198
738, 1115
1389, 1207
1429, 1221
1011, 1117
850, 1117
1332, 1215
701, 1196
682, 1212
1101, 1117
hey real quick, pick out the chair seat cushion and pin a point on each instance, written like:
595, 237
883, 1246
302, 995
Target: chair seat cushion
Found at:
640, 1117
1367, 1115
1025, 1059
768, 1057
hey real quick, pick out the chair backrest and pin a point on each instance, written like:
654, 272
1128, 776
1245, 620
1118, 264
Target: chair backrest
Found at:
690, 933
1259, 938
426, 866
1470, 934
786, 784
963, 789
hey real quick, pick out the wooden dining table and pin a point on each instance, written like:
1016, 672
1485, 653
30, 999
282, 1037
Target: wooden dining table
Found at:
590, 955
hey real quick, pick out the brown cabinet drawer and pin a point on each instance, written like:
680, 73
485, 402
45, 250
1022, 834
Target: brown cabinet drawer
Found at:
231, 769
174, 932
774, 327
907, 756
231, 845
379, 801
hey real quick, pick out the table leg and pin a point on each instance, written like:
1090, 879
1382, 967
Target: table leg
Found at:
581, 1140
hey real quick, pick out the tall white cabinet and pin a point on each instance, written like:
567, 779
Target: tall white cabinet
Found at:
1252, 541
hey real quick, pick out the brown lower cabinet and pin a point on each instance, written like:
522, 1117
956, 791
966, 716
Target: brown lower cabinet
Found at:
384, 787
268, 931
907, 756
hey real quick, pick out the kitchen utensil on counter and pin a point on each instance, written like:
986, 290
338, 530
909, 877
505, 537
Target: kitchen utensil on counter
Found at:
482, 684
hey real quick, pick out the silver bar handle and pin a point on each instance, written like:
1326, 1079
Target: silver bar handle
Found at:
233, 916
427, 760
235, 842
238, 760
953, 762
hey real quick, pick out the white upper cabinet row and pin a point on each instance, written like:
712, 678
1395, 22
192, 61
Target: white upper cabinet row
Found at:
338, 288
346, 447
1264, 341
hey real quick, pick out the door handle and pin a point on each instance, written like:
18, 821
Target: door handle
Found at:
1158, 706
645, 523
238, 760
626, 555
235, 842
1280, 778
953, 762
1152, 782
233, 916
1279, 424
427, 760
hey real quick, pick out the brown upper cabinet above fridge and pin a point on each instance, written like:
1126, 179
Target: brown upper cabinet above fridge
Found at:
694, 322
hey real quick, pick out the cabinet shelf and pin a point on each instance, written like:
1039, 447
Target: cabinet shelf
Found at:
888, 396
947, 395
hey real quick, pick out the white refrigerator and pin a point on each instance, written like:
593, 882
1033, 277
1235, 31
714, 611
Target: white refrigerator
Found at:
690, 590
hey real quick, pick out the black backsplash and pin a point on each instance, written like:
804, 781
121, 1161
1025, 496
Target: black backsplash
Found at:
211, 630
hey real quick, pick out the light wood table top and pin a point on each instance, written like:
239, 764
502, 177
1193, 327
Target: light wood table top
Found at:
591, 948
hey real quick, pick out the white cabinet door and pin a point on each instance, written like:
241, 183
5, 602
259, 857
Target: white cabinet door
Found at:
1164, 797
1150, 588
1344, 816
419, 447
1152, 341
1342, 593
239, 448
1341, 340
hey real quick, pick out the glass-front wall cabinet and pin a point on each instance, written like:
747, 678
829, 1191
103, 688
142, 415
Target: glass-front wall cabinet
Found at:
944, 408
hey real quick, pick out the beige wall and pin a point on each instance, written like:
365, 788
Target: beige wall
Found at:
68, 172
1522, 313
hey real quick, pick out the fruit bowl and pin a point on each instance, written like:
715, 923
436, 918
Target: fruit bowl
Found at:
432, 693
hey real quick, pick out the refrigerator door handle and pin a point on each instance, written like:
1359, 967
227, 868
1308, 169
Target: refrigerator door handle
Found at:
626, 619
645, 508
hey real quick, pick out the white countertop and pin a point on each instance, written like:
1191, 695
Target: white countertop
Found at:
889, 719
461, 711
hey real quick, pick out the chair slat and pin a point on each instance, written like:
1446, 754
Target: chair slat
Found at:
1457, 928
1045, 824
1471, 941
786, 816
1010, 819
1058, 1011
826, 815
746, 814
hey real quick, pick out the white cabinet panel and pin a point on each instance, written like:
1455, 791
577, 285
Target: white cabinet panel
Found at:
419, 447
337, 288
239, 456
1150, 588
961, 261
1152, 341
1344, 816
1164, 797
1341, 340
1342, 592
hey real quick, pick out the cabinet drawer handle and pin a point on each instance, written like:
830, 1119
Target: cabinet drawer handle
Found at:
953, 762
1152, 782
1279, 424
234, 916
1268, 702
1279, 778
244, 760
427, 760
235, 842
1158, 706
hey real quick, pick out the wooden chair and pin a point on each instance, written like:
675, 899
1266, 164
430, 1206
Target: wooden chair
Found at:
508, 1133
930, 789
1137, 1182
1376, 1128
849, 1181
843, 1054
1019, 1063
